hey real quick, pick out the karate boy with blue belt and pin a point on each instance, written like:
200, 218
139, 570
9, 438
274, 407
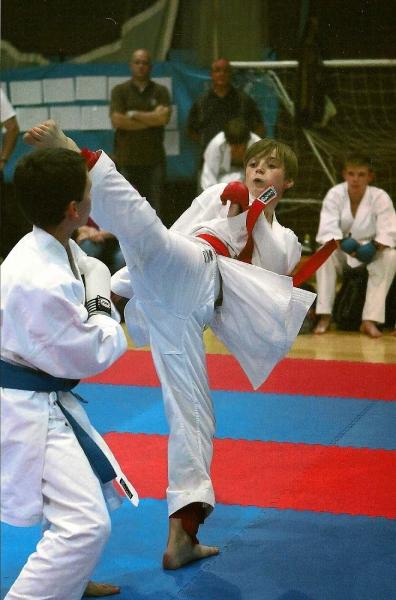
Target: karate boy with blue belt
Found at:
55, 466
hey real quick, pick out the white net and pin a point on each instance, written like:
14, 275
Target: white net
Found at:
364, 99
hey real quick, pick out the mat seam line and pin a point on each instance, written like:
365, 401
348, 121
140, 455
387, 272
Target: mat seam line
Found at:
354, 421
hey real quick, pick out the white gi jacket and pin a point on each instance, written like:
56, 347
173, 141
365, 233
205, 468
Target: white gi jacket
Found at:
261, 312
175, 281
45, 326
217, 166
375, 218
261, 304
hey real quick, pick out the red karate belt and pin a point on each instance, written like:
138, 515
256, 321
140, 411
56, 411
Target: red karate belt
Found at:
252, 215
306, 270
218, 246
313, 263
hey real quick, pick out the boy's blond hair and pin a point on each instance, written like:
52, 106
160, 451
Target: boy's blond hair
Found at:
283, 152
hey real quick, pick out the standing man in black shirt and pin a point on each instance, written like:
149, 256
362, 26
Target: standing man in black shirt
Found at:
139, 111
223, 102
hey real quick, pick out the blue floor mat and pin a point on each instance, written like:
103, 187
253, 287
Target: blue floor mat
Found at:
266, 554
252, 416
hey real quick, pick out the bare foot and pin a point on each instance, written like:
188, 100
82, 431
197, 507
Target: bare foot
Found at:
48, 135
323, 324
97, 590
370, 329
181, 550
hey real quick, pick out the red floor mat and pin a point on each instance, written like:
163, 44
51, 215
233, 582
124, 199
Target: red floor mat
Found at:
311, 377
271, 474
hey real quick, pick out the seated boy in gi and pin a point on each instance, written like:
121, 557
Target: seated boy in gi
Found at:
362, 218
184, 279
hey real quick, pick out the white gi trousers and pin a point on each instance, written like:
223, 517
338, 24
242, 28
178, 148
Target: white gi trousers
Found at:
175, 280
189, 411
184, 380
381, 272
77, 521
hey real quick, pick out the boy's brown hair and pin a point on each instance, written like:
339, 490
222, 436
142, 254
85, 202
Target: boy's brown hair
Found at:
283, 152
46, 181
358, 159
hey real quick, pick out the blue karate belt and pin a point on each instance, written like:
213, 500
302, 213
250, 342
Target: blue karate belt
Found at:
16, 377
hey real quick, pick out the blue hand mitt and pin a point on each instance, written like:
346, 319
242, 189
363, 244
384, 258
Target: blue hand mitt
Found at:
366, 252
349, 245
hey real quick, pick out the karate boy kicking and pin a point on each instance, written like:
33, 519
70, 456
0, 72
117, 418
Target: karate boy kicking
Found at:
55, 466
184, 279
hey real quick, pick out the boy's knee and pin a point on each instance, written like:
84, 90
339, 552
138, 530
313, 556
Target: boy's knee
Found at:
97, 529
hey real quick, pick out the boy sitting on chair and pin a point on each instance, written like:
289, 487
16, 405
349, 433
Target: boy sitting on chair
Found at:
362, 219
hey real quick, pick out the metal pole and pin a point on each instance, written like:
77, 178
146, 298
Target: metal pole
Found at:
287, 64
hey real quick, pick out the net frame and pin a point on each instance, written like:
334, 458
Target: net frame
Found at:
371, 128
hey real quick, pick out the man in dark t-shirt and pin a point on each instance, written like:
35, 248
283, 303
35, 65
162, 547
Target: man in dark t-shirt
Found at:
139, 111
223, 102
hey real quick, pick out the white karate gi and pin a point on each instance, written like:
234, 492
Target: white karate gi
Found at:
175, 281
217, 167
45, 475
375, 219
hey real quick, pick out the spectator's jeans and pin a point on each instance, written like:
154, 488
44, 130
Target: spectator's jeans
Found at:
149, 181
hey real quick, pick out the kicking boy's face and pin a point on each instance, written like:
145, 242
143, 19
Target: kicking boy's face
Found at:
358, 177
264, 171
